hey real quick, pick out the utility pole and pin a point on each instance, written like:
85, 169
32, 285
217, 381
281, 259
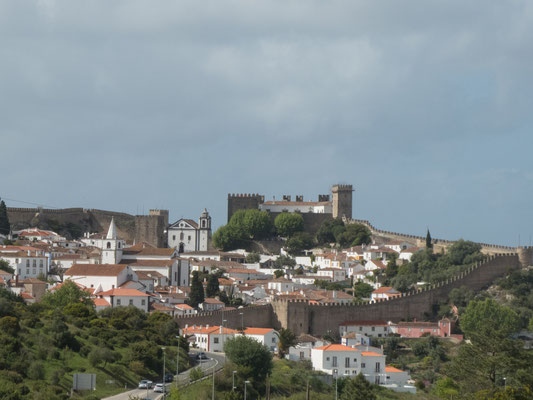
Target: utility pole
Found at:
164, 391
213, 389
307, 390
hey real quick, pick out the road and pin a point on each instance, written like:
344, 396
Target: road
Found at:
216, 360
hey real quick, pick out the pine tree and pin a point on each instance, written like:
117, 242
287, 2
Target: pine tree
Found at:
212, 286
358, 388
429, 245
197, 291
5, 226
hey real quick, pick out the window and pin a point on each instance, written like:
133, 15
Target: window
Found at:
118, 302
131, 302
216, 340
347, 362
119, 245
363, 365
173, 237
27, 271
373, 328
182, 236
273, 340
384, 329
301, 355
203, 223
108, 245
377, 380
334, 361
189, 238
27, 263
360, 328
378, 367
327, 358
34, 263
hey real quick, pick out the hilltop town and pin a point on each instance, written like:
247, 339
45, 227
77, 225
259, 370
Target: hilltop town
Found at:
336, 287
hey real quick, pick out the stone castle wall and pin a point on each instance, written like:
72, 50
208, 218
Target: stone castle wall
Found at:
320, 319
257, 316
140, 228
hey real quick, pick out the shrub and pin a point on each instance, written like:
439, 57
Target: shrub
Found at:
36, 370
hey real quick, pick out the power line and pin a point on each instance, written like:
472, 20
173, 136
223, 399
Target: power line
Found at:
28, 202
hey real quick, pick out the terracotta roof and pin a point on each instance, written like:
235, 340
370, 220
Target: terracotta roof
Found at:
336, 347
417, 324
2, 272
25, 295
224, 281
146, 249
161, 307
257, 331
95, 269
67, 257
371, 353
211, 330
147, 275
33, 281
149, 263
385, 289
68, 280
211, 300
392, 369
241, 271
216, 264
38, 233
123, 292
184, 306
101, 303
297, 203
305, 338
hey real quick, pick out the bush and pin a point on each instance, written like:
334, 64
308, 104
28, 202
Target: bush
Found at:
36, 370
195, 374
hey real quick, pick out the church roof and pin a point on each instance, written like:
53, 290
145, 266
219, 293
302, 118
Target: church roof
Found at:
189, 222
112, 232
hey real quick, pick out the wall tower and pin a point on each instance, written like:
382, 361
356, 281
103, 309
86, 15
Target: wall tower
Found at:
243, 202
342, 201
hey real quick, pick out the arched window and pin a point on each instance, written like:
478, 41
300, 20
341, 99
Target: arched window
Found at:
203, 223
173, 237
108, 245
181, 236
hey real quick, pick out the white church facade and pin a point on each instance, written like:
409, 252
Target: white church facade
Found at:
186, 235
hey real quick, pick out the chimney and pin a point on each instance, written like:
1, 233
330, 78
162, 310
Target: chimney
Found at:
16, 279
220, 328
29, 253
207, 326
186, 326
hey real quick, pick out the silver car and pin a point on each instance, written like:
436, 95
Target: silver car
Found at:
145, 384
159, 388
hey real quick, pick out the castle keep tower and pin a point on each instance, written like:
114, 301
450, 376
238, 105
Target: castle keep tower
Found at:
243, 202
342, 201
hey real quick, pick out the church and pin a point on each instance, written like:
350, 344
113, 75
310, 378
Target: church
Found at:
187, 235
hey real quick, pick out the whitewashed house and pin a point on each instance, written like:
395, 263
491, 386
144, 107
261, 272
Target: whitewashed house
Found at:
209, 338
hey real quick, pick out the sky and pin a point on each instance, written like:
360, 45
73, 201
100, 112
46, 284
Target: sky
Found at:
423, 106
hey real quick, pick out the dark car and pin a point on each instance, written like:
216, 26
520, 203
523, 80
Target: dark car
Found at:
202, 356
168, 378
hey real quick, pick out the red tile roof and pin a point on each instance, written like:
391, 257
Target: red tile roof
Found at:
336, 347
257, 331
392, 369
101, 303
123, 292
95, 269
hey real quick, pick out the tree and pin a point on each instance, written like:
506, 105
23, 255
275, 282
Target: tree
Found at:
288, 223
252, 258
67, 294
446, 388
464, 252
212, 288
286, 340
197, 291
325, 233
491, 352
299, 241
284, 261
429, 245
257, 224
278, 273
358, 388
353, 235
4, 266
229, 237
362, 290
250, 356
101, 354
5, 226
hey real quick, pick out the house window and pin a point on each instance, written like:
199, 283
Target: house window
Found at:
118, 302
373, 329
301, 355
189, 238
216, 340
378, 367
384, 329
327, 358
377, 380
27, 263
181, 236
334, 364
27, 271
347, 362
34, 263
131, 302
273, 340
108, 245
360, 328
363, 365
173, 237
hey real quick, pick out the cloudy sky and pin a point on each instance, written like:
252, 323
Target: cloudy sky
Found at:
424, 106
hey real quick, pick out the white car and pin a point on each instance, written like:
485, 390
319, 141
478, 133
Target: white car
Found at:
159, 388
145, 384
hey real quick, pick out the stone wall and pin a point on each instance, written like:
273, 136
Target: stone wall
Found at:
258, 316
243, 202
319, 319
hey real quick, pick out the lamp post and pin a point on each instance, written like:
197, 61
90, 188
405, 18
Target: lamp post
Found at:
504, 383
336, 391
245, 383
163, 348
178, 362
233, 380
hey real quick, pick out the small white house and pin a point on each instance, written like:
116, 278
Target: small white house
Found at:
266, 336
366, 328
209, 338
126, 297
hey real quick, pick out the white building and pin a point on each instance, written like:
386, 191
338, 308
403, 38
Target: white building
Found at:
112, 246
266, 336
28, 262
336, 274
100, 277
281, 285
366, 328
304, 207
126, 297
209, 338
187, 235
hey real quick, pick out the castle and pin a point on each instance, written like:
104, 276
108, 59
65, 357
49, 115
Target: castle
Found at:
338, 205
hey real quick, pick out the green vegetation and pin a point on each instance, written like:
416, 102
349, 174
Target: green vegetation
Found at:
244, 226
362, 290
298, 242
335, 231
4, 266
427, 266
43, 344
212, 288
284, 262
287, 224
197, 290
5, 226
286, 340
252, 258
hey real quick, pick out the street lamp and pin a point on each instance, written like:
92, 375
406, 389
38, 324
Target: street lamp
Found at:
233, 380
163, 348
245, 383
504, 383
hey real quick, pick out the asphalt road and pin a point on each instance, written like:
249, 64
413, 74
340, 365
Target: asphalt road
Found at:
216, 360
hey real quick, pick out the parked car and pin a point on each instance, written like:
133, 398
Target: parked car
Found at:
168, 378
145, 384
201, 356
159, 388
